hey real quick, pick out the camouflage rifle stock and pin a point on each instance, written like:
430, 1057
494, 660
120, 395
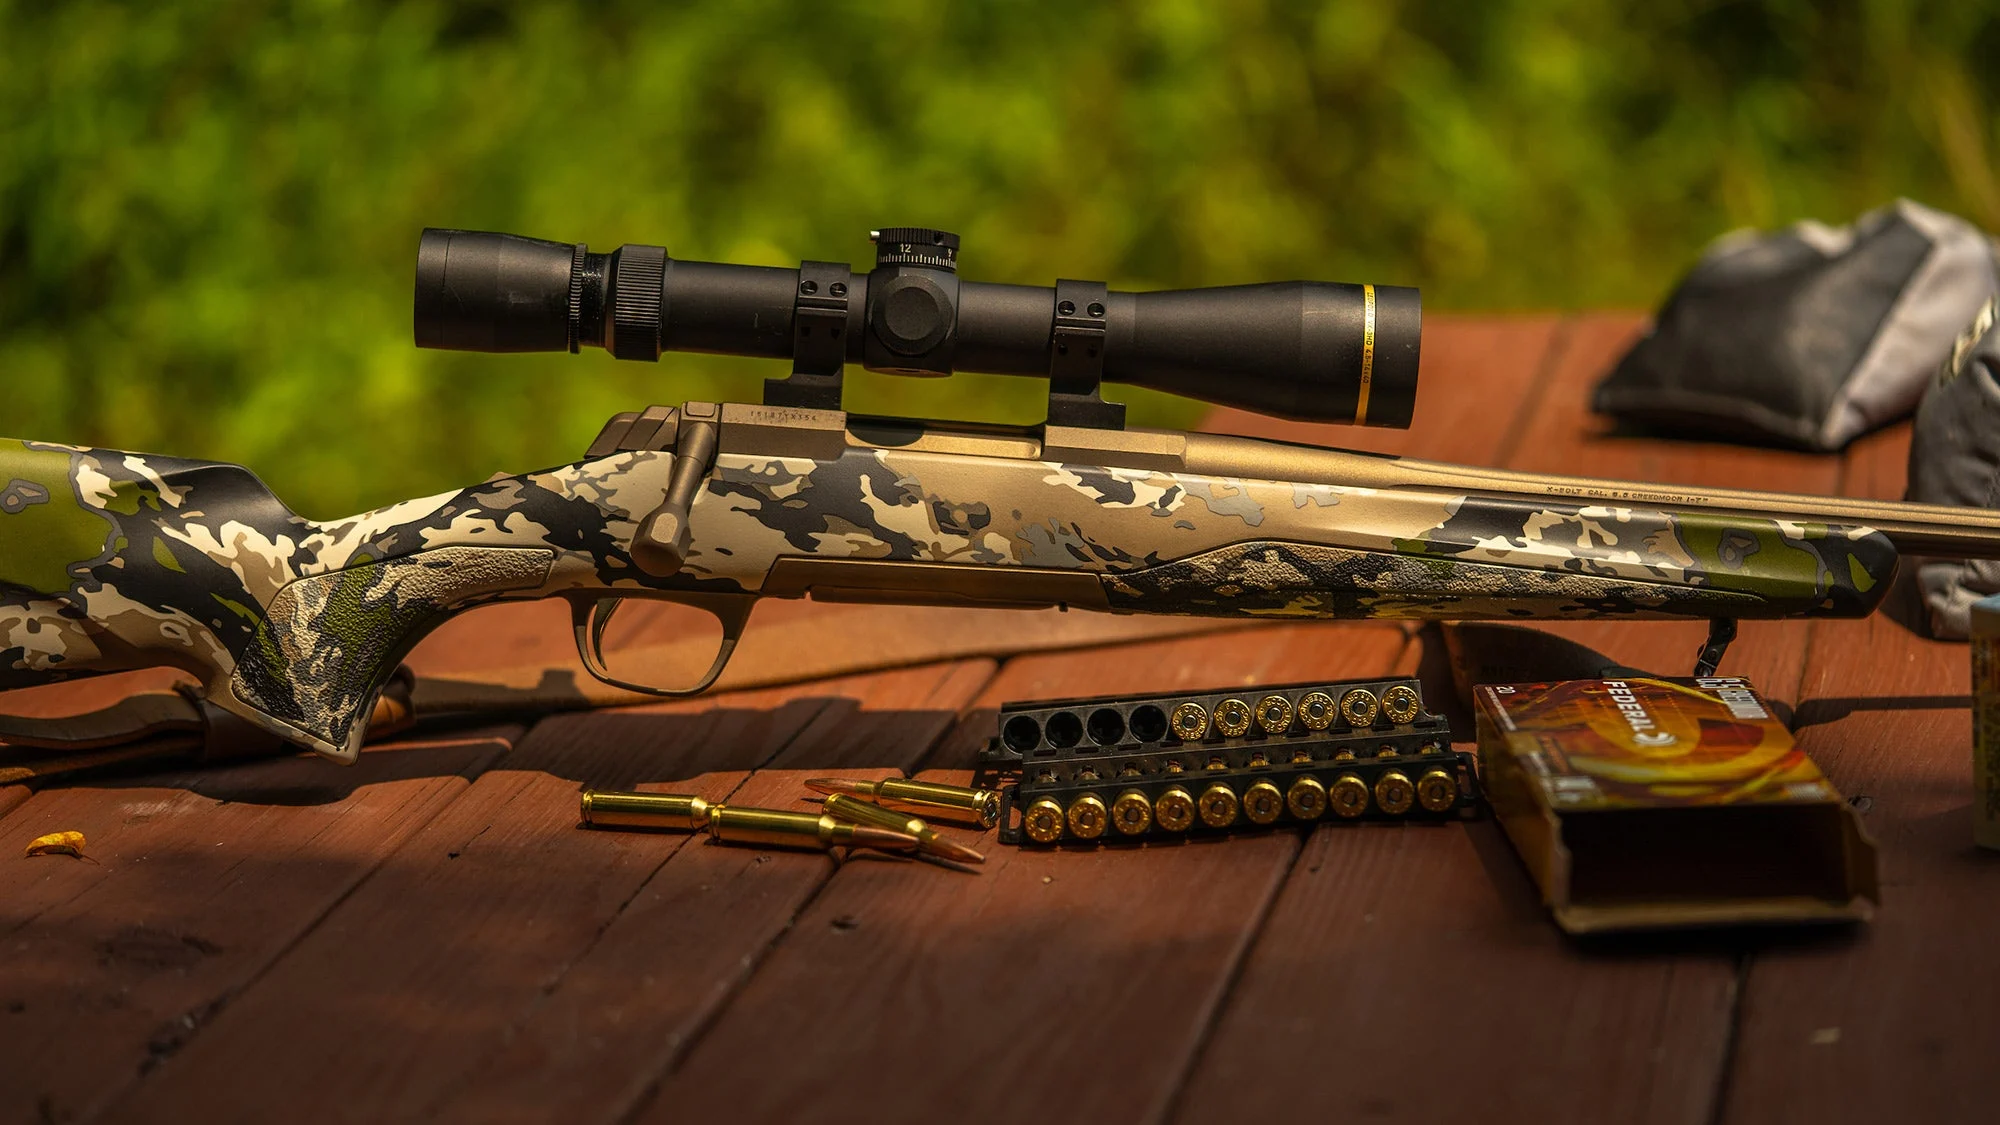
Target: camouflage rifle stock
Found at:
112, 560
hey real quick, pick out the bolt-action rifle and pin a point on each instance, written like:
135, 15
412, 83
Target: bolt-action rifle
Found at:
113, 560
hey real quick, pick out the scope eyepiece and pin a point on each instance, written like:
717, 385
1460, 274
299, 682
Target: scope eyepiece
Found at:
1305, 350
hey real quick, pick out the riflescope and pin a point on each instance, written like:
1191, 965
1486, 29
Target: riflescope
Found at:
1306, 350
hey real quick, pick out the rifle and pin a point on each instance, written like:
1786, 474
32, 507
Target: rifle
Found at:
113, 560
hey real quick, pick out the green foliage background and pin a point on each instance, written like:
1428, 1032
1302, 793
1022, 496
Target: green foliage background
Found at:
209, 212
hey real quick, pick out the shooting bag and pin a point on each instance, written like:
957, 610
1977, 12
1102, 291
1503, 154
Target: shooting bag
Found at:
1955, 459
1809, 337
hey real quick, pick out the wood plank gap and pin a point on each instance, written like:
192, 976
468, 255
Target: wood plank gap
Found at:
1545, 375
1719, 1106
1163, 1112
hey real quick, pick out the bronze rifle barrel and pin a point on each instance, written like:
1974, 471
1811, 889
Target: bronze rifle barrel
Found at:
1916, 529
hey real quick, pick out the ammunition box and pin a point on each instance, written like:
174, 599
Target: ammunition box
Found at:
1163, 767
1643, 803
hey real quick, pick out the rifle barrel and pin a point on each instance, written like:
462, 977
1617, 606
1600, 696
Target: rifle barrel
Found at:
1916, 529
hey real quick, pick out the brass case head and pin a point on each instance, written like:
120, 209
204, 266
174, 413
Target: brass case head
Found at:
940, 801
1174, 811
1232, 718
1043, 822
1274, 714
1348, 795
1318, 710
1394, 794
1132, 813
1437, 791
1088, 817
1359, 707
1217, 806
1401, 704
1262, 803
1306, 798
1189, 722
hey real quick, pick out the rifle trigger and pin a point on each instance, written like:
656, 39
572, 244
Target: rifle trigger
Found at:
660, 547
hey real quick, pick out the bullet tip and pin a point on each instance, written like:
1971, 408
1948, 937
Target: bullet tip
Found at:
836, 785
867, 837
952, 849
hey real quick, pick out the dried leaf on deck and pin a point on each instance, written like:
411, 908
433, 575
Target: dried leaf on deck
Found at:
57, 843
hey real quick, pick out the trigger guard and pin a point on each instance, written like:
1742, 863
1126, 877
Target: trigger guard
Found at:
590, 617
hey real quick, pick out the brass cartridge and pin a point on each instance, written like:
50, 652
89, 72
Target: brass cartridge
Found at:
929, 841
1437, 791
1358, 707
929, 798
1401, 704
1132, 813
1274, 714
1317, 710
1306, 798
1262, 803
1232, 718
1088, 817
644, 810
775, 828
1189, 722
1043, 822
1174, 811
1394, 793
1348, 795
1217, 806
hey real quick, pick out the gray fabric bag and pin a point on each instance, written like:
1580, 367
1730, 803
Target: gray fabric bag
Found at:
1955, 459
1808, 337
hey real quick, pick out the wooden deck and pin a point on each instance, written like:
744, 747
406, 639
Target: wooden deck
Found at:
429, 937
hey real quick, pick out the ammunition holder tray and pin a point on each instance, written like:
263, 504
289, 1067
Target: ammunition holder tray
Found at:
1151, 767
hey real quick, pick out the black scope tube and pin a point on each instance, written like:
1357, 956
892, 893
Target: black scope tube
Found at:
1310, 351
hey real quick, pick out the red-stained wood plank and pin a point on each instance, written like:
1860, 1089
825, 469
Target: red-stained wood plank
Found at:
1071, 983
403, 993
1896, 1020
691, 937
196, 883
1382, 941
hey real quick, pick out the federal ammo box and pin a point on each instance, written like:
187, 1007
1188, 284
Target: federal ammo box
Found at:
1645, 803
1117, 768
